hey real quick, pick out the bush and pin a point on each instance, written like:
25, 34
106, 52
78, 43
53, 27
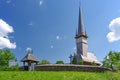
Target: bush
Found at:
59, 62
6, 68
44, 62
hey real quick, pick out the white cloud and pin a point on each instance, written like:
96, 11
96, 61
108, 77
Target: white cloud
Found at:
41, 2
5, 29
114, 26
5, 42
58, 37
51, 46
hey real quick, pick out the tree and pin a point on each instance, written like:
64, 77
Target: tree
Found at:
112, 61
59, 62
44, 62
5, 56
81, 62
74, 60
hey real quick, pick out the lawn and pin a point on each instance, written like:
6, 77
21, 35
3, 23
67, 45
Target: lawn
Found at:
38, 75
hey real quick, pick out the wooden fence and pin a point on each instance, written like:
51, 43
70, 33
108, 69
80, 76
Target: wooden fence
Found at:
69, 67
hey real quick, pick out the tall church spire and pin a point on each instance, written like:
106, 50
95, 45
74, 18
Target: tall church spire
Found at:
81, 30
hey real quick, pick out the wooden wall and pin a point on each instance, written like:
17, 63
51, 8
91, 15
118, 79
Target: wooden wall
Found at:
69, 67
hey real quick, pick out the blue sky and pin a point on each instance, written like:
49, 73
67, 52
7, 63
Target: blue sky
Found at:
49, 26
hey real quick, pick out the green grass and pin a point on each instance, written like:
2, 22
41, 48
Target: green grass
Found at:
38, 75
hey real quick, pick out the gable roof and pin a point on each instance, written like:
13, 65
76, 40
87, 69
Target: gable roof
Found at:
30, 57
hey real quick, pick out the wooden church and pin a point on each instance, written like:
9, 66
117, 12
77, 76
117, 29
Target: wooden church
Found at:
81, 45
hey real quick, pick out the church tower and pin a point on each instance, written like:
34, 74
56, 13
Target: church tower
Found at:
81, 44
81, 37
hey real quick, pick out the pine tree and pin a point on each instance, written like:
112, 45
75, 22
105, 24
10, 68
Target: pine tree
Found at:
74, 60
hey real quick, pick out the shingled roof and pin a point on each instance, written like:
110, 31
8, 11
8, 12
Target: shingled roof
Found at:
90, 58
30, 57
